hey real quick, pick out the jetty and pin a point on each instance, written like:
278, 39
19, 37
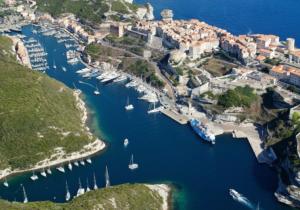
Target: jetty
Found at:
175, 115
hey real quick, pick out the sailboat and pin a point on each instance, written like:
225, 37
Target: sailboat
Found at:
43, 173
61, 169
97, 92
132, 165
129, 106
107, 182
126, 142
5, 183
76, 163
80, 190
68, 195
95, 183
82, 162
24, 195
49, 171
154, 110
89, 160
54, 66
87, 186
34, 177
70, 166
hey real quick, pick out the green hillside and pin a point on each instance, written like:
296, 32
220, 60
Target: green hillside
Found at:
37, 114
128, 196
88, 10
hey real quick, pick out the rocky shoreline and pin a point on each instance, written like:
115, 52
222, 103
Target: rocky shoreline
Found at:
164, 191
59, 156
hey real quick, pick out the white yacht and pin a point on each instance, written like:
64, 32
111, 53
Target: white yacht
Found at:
84, 70
34, 177
64, 69
82, 162
110, 77
89, 160
154, 110
43, 173
5, 183
49, 171
150, 97
132, 165
54, 65
95, 183
70, 167
96, 92
133, 83
103, 75
122, 78
61, 169
87, 186
24, 195
76, 163
126, 142
80, 190
129, 106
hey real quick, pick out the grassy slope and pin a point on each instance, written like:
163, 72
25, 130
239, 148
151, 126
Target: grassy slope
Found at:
88, 10
126, 196
30, 102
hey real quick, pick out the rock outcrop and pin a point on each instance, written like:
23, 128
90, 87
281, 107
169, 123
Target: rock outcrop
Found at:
145, 13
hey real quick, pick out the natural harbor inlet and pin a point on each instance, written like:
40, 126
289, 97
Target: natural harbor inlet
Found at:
122, 104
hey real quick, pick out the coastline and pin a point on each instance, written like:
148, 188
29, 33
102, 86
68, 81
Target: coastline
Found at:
164, 191
20, 50
87, 151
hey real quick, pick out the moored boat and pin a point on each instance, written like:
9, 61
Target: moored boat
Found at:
202, 131
132, 165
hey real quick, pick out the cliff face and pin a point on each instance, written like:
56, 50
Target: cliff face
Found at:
145, 12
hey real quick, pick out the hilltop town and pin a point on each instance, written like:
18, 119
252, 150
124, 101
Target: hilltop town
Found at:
231, 82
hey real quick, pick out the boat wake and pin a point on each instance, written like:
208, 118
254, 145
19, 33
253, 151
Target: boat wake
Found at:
241, 199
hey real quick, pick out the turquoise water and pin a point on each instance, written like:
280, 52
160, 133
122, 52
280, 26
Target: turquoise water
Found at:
239, 16
166, 152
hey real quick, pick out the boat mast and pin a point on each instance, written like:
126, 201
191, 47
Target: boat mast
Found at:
131, 160
107, 182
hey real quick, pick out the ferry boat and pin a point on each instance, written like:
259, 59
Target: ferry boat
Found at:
202, 131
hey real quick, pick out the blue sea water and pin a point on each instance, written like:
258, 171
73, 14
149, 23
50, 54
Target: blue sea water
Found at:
239, 16
165, 151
